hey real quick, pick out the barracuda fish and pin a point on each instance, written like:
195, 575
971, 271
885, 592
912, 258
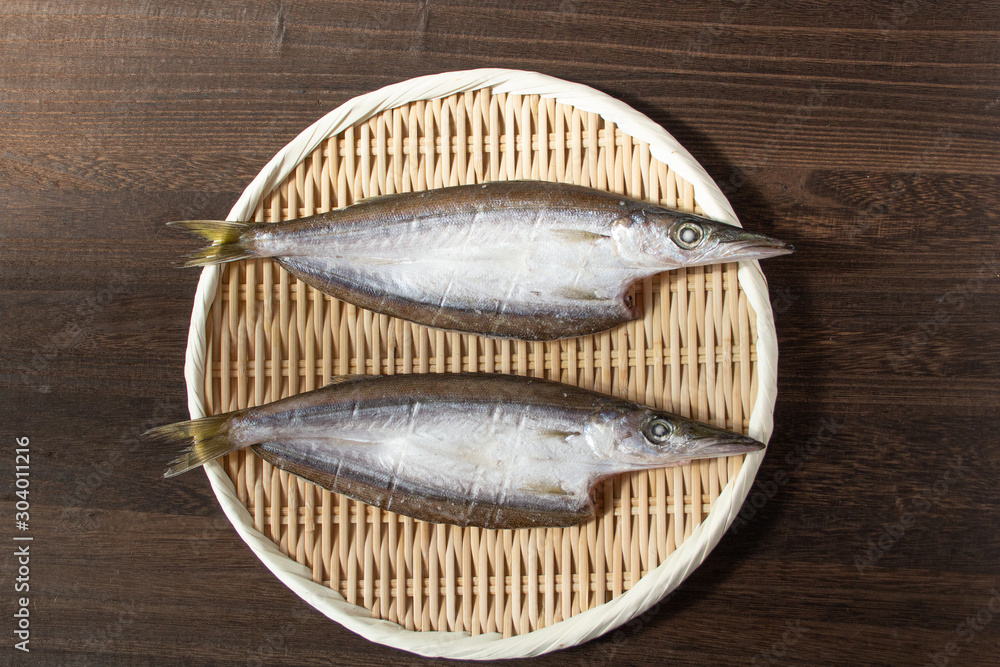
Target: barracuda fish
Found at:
520, 259
470, 449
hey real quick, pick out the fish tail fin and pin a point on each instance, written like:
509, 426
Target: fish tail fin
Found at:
230, 240
203, 440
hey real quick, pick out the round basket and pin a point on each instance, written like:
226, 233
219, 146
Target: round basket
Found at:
705, 347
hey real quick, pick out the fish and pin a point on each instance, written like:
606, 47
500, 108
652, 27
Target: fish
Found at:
529, 260
468, 449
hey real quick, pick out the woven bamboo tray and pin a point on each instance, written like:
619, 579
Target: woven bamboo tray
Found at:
704, 348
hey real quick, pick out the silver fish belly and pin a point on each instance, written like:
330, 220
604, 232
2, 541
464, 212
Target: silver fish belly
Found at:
489, 450
522, 259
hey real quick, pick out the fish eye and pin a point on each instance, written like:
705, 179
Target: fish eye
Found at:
658, 430
689, 234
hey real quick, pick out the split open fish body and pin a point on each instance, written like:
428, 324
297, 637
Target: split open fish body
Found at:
489, 450
521, 259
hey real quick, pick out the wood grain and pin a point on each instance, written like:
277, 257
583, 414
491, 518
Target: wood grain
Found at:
865, 134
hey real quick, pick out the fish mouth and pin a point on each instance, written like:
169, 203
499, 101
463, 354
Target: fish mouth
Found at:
720, 446
741, 244
764, 250
708, 442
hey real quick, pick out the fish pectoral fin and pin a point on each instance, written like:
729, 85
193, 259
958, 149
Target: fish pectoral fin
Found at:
577, 294
546, 489
578, 235
559, 434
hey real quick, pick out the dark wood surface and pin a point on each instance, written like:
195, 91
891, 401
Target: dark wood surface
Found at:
864, 133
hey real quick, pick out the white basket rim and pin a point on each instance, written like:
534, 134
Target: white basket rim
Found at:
655, 584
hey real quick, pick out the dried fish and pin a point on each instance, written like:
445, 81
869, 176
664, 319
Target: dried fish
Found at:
480, 449
520, 259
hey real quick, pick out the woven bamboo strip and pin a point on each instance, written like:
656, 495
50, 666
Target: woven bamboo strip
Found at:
272, 336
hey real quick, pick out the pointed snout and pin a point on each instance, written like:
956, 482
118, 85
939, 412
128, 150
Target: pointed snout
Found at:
742, 244
708, 442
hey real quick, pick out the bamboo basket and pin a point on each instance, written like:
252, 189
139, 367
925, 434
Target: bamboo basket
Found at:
703, 348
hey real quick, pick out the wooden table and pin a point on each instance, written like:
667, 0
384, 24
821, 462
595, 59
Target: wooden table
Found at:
867, 135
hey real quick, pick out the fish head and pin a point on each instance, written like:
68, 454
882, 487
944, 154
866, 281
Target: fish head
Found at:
663, 239
651, 439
